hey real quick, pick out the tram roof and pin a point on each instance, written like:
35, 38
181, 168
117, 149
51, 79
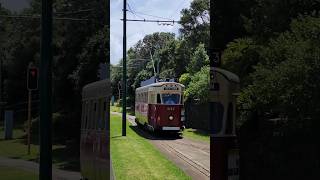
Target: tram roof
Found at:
228, 75
159, 84
97, 89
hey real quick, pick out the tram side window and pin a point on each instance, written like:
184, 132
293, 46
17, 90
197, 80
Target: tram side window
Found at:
82, 114
104, 114
95, 117
100, 115
92, 117
158, 99
152, 98
87, 115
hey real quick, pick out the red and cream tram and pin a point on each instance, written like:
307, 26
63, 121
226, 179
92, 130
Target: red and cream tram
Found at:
95, 144
159, 106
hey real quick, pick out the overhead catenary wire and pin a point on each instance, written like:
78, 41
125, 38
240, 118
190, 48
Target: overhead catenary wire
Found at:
143, 19
154, 16
38, 17
74, 12
151, 20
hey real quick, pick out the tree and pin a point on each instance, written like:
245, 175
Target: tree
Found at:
195, 22
198, 60
198, 88
284, 81
268, 18
240, 57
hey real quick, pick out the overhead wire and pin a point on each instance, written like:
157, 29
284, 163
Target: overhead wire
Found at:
38, 17
130, 9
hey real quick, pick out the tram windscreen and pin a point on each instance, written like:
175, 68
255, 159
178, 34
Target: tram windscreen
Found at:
171, 99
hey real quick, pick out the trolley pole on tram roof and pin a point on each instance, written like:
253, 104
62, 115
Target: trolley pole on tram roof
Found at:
45, 168
124, 68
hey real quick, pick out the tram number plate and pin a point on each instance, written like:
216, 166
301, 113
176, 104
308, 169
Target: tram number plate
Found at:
170, 108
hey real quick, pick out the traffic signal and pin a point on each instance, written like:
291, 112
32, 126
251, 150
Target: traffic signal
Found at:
215, 59
33, 78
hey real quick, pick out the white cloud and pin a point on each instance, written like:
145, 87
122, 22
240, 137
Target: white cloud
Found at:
137, 30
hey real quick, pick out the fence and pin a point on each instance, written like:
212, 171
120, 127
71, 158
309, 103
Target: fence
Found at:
197, 116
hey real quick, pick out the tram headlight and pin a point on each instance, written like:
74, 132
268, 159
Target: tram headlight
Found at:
171, 118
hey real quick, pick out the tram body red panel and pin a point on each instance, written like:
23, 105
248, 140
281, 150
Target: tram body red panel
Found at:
159, 116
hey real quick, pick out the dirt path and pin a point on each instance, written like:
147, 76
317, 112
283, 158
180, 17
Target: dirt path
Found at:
193, 157
34, 167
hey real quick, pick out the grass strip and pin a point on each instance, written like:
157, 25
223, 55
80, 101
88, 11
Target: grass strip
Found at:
7, 173
134, 157
196, 134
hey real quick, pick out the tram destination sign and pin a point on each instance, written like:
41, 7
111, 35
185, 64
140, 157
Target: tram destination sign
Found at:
171, 88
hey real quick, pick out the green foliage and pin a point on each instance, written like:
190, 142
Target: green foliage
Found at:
198, 60
195, 23
268, 18
285, 80
240, 57
94, 52
185, 79
198, 88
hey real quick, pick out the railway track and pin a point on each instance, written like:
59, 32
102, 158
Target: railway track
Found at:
191, 156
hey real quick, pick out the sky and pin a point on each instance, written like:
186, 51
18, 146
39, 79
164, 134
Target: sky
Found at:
15, 5
137, 30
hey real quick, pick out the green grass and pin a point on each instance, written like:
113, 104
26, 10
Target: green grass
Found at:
196, 135
133, 157
119, 110
17, 149
115, 109
7, 173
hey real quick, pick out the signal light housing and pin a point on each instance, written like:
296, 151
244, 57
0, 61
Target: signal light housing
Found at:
33, 78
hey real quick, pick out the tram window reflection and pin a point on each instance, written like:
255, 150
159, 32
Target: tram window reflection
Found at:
170, 98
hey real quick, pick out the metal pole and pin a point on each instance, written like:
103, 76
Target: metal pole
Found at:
45, 171
29, 120
1, 86
124, 66
119, 90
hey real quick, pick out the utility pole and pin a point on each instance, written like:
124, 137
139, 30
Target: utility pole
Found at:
45, 169
124, 68
1, 85
119, 90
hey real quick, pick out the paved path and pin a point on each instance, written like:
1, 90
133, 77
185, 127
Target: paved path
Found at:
193, 157
34, 167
